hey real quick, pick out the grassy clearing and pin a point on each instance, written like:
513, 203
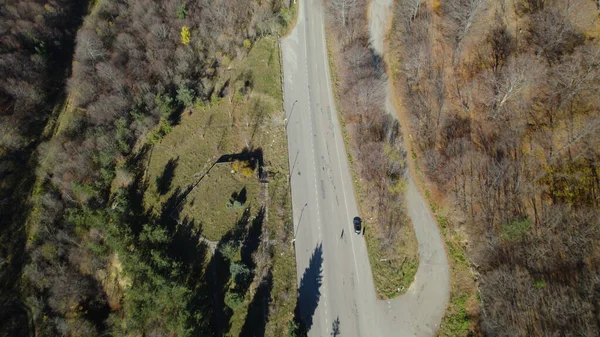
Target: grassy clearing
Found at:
516, 229
249, 117
284, 264
393, 276
228, 127
212, 209
394, 268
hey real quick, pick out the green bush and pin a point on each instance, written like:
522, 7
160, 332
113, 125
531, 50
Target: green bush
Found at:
164, 127
515, 229
229, 251
49, 251
83, 192
457, 321
296, 329
240, 273
98, 249
153, 235
165, 104
185, 96
122, 135
181, 12
233, 300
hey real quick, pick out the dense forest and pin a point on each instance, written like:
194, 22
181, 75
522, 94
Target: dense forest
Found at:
502, 102
36, 43
81, 94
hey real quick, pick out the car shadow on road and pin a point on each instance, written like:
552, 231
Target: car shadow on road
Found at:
309, 291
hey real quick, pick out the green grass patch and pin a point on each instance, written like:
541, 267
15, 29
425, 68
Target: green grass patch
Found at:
249, 117
57, 111
456, 251
213, 210
263, 68
284, 294
457, 254
442, 222
456, 322
250, 121
393, 272
336, 96
65, 119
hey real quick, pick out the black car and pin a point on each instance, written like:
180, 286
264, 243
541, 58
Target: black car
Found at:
357, 225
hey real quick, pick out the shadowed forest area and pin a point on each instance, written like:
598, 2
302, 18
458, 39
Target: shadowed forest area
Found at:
36, 43
86, 91
501, 99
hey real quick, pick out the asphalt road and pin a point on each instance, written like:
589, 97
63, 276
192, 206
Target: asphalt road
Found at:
420, 310
336, 292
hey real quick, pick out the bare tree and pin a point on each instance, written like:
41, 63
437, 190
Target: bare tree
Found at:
514, 150
407, 11
553, 34
343, 10
89, 46
577, 76
460, 16
509, 84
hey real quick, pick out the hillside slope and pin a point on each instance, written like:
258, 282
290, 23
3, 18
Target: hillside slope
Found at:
501, 99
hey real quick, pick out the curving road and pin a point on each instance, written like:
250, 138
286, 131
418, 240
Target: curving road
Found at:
424, 304
336, 292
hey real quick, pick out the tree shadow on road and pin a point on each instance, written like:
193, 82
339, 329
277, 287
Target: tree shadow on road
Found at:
335, 327
309, 291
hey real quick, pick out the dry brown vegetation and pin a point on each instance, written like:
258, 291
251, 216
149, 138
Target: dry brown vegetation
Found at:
375, 147
501, 98
134, 72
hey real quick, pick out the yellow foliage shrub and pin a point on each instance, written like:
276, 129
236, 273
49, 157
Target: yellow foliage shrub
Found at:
185, 35
247, 172
437, 7
243, 168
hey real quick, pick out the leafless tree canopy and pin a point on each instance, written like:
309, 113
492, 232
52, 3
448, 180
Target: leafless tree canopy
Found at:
376, 137
509, 131
36, 38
